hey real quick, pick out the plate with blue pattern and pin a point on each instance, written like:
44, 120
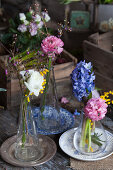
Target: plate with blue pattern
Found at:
66, 144
67, 121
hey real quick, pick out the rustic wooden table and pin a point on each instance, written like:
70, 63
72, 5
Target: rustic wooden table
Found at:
8, 127
61, 161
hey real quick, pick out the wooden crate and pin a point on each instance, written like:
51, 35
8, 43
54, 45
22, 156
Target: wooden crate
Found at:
11, 83
12, 96
98, 50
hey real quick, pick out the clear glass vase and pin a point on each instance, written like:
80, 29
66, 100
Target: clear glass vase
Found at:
49, 119
26, 147
90, 137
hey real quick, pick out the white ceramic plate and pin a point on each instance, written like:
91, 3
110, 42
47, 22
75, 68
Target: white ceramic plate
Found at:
66, 144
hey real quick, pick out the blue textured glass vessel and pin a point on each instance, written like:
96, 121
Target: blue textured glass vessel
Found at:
67, 121
49, 117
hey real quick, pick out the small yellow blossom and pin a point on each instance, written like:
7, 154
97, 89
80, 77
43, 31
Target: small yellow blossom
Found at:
108, 102
106, 97
41, 74
91, 149
28, 99
44, 72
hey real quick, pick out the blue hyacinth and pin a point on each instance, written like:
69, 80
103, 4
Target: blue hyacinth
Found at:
82, 80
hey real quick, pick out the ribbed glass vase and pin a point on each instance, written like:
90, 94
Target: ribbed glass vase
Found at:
26, 147
90, 137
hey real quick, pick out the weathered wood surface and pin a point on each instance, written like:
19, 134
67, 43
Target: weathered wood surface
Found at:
104, 41
8, 128
59, 162
102, 61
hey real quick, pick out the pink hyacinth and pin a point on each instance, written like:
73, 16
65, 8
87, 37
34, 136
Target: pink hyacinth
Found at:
52, 44
95, 109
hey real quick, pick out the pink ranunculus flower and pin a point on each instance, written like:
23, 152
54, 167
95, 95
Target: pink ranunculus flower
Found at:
52, 44
95, 109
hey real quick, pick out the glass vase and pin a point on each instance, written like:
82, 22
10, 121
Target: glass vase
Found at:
90, 137
49, 119
26, 147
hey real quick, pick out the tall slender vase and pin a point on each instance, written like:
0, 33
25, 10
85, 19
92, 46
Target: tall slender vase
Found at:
26, 148
49, 119
90, 137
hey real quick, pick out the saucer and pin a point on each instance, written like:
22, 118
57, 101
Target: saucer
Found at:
66, 144
67, 121
47, 145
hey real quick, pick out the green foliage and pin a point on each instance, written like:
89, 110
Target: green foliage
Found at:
30, 61
68, 1
105, 1
95, 139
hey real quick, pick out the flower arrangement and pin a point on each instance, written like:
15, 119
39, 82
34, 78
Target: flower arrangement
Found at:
34, 83
33, 51
94, 109
29, 30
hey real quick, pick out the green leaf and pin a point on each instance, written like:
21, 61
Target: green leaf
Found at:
13, 31
23, 39
12, 23
68, 1
32, 54
90, 96
98, 89
96, 142
95, 139
28, 16
20, 55
31, 63
6, 38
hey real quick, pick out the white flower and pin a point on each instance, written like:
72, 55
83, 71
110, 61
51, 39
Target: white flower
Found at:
22, 16
95, 94
46, 16
37, 18
22, 28
26, 22
31, 11
34, 81
40, 25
